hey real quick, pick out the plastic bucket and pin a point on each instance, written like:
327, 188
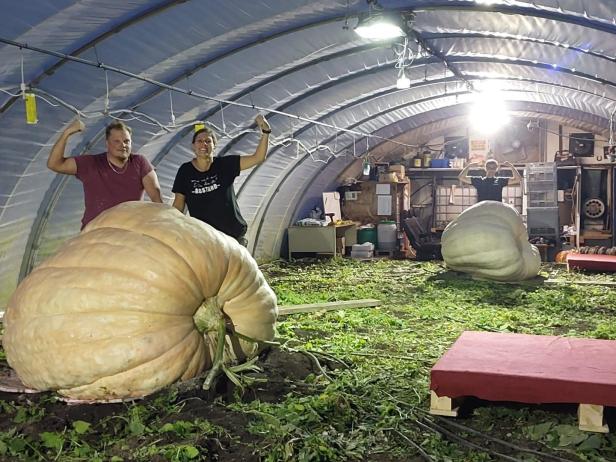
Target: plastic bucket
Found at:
367, 234
387, 235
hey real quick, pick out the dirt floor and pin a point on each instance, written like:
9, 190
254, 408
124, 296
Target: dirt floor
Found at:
284, 371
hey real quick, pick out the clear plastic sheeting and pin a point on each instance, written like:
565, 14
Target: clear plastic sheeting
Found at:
297, 61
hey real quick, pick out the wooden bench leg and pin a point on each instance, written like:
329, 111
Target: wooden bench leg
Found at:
442, 405
590, 418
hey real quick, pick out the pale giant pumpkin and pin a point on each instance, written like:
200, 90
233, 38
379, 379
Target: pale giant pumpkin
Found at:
489, 240
118, 311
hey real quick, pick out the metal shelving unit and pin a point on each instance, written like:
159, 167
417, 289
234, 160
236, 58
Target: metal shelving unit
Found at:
542, 205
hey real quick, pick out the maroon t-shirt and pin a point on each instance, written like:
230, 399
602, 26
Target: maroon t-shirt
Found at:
104, 187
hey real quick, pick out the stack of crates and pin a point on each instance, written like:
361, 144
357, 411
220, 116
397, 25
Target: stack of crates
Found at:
542, 201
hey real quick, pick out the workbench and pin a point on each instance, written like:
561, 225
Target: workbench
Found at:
321, 239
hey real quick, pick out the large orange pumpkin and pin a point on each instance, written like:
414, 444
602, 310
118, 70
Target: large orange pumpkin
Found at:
561, 257
122, 309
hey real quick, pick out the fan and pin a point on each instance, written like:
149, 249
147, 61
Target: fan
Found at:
593, 208
582, 144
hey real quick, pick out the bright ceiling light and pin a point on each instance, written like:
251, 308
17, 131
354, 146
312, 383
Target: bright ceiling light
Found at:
489, 113
378, 26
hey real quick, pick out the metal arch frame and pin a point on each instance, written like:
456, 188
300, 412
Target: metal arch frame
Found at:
165, 4
307, 127
386, 92
590, 123
488, 35
160, 8
211, 112
324, 167
300, 161
526, 11
56, 187
436, 5
440, 5
461, 59
461, 5
571, 18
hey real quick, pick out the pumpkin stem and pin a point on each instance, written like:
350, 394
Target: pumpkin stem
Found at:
208, 316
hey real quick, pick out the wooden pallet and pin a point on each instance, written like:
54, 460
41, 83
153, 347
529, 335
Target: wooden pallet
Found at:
590, 416
527, 369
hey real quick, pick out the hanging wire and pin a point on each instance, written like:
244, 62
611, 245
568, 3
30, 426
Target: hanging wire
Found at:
22, 86
106, 110
10, 94
222, 116
171, 108
188, 91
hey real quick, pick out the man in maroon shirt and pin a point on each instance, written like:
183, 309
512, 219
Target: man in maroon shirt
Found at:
109, 178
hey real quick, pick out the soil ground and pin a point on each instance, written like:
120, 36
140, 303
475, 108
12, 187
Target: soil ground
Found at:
283, 370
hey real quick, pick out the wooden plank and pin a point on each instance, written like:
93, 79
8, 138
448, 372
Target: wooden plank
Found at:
580, 283
329, 306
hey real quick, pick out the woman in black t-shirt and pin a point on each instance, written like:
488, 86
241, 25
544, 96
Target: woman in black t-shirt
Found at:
205, 184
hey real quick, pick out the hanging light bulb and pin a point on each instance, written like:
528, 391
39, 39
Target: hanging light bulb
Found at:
403, 81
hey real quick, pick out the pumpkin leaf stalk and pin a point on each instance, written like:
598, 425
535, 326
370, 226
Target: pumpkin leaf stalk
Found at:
218, 357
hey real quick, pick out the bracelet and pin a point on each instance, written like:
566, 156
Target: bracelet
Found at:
266, 132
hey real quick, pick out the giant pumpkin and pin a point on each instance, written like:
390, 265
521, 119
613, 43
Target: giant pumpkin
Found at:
489, 240
131, 305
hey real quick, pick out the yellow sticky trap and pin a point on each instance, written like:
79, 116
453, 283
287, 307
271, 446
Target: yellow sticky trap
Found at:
31, 116
199, 127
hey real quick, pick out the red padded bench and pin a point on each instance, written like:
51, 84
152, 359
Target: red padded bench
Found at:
528, 369
590, 262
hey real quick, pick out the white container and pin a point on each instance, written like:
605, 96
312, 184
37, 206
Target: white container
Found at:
361, 254
386, 232
365, 247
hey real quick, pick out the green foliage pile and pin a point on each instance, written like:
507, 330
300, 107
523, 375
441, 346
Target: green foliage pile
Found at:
368, 398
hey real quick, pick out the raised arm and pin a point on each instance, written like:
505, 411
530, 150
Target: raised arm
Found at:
515, 176
152, 187
261, 151
56, 160
463, 176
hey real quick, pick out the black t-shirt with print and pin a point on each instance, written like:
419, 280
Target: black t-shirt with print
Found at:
210, 195
489, 189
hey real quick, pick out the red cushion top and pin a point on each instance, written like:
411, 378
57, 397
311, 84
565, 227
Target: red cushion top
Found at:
528, 369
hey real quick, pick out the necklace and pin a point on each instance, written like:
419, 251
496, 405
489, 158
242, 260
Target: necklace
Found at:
119, 172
